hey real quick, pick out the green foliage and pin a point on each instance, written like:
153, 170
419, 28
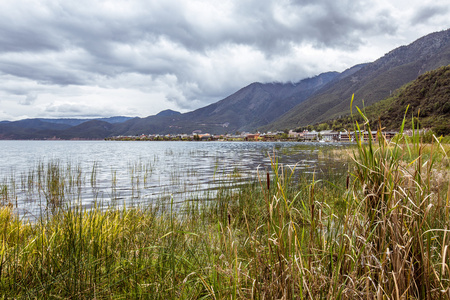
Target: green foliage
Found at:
322, 127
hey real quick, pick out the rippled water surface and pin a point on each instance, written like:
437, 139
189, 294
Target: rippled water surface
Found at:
140, 172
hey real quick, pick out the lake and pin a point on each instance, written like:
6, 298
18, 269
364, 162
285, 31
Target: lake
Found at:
139, 173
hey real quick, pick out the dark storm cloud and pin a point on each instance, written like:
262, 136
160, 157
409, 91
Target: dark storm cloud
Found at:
257, 23
425, 13
263, 24
24, 29
44, 73
24, 40
56, 28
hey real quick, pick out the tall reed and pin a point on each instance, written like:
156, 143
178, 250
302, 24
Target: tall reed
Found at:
400, 220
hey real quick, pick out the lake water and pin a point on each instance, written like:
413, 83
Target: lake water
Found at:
141, 172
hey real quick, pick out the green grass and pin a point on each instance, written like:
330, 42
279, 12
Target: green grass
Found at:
381, 233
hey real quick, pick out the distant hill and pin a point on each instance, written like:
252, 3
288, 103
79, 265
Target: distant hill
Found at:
29, 129
74, 122
42, 128
428, 98
94, 129
372, 83
168, 112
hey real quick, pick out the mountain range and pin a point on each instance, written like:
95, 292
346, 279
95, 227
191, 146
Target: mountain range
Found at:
264, 106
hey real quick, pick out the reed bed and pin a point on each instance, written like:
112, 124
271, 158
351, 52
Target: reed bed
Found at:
379, 233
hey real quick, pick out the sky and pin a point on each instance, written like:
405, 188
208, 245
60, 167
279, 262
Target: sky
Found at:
89, 58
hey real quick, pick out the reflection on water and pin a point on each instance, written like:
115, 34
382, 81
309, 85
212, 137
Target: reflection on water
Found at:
140, 172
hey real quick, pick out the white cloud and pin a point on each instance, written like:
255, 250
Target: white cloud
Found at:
64, 58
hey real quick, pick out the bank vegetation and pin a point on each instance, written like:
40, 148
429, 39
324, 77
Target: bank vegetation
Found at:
382, 232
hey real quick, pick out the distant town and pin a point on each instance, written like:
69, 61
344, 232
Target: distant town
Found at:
304, 136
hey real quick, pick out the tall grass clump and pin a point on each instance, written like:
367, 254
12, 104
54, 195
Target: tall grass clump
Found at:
400, 218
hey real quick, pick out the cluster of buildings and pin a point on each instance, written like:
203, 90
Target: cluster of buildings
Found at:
322, 136
339, 136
